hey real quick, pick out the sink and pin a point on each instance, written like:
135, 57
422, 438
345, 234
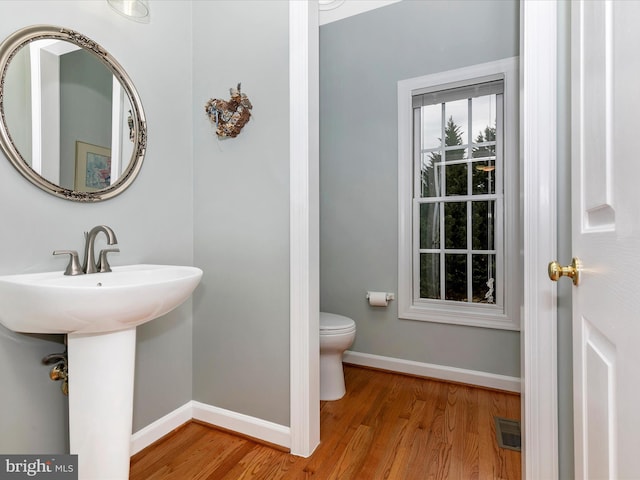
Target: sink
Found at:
99, 313
96, 303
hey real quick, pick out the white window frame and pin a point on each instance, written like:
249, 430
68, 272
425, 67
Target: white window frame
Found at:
506, 317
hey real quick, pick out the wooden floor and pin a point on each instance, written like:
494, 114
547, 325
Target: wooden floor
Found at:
388, 426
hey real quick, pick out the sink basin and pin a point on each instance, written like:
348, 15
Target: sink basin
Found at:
99, 313
96, 303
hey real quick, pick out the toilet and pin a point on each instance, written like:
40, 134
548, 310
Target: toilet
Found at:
336, 335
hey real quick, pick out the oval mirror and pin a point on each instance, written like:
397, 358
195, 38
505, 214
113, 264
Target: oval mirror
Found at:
71, 120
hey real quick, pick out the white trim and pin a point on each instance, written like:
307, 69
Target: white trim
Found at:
36, 107
538, 142
439, 372
161, 427
244, 424
218, 417
304, 227
117, 138
508, 316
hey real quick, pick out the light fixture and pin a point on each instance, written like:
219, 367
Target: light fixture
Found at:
329, 4
137, 10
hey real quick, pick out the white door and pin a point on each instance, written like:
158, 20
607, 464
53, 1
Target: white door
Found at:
606, 237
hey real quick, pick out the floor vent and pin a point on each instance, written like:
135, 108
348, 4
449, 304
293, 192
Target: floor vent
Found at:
508, 433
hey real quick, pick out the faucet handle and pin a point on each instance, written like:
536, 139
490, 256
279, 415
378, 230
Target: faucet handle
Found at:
103, 264
73, 268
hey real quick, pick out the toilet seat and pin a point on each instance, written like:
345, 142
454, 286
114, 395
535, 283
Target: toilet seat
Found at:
333, 324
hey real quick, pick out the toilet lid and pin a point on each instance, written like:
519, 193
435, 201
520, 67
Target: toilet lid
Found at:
331, 322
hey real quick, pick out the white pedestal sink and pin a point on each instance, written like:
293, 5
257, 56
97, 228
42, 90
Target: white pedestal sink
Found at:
99, 313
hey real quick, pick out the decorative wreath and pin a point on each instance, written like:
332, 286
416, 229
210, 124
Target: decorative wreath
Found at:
230, 115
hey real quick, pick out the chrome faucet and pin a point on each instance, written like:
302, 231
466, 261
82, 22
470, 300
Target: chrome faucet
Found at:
89, 265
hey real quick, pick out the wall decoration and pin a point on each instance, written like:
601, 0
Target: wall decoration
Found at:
93, 167
230, 115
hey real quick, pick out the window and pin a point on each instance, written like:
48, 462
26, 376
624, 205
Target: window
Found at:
459, 249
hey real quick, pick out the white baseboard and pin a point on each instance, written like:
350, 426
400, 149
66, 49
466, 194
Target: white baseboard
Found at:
158, 429
440, 372
244, 424
218, 417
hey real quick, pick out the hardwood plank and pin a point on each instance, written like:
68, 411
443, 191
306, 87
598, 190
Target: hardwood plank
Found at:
354, 455
469, 460
388, 426
402, 462
195, 454
260, 463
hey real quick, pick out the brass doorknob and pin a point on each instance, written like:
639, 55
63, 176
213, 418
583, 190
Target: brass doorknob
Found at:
572, 271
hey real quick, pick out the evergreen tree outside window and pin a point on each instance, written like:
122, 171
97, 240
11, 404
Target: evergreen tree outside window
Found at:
458, 198
459, 250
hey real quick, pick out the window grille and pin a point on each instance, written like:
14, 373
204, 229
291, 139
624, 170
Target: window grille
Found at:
459, 213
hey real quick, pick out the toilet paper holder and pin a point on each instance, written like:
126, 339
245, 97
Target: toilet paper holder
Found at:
388, 296
380, 299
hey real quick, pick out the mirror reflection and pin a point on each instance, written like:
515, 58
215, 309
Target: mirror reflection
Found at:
72, 121
68, 115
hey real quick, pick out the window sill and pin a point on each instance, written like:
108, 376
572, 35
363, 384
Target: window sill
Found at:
484, 316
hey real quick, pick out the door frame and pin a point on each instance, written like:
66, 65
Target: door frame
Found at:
304, 227
538, 114
538, 88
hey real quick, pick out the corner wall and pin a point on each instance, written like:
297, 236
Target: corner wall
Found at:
241, 210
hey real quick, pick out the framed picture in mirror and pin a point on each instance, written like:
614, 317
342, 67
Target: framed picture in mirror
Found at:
93, 167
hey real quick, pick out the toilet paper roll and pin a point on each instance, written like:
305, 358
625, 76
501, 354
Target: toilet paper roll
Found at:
378, 299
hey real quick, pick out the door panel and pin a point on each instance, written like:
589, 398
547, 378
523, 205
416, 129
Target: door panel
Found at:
606, 237
599, 400
595, 102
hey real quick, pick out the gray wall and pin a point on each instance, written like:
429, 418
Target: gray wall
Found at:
153, 220
565, 349
241, 193
361, 60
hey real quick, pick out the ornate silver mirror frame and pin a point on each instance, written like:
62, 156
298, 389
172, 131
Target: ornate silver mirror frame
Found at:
137, 123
